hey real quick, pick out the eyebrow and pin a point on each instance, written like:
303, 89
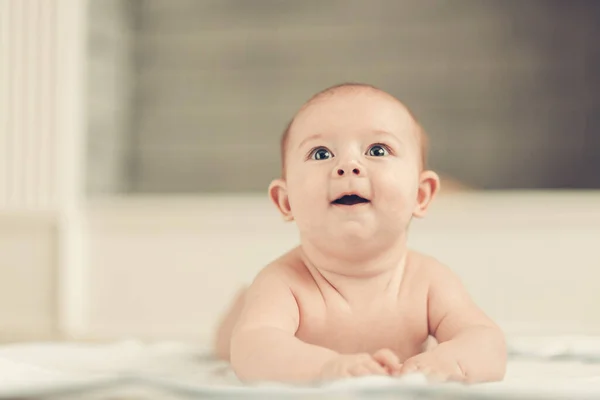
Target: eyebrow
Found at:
311, 137
376, 132
387, 134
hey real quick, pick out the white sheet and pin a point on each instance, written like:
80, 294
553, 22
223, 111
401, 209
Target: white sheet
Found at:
551, 367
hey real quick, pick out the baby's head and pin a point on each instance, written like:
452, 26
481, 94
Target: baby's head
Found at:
349, 88
353, 166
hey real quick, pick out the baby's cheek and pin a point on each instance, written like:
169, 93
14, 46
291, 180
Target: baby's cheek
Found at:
304, 195
398, 186
306, 189
398, 200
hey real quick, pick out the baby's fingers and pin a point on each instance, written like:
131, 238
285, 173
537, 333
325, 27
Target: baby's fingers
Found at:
411, 366
370, 367
388, 359
376, 368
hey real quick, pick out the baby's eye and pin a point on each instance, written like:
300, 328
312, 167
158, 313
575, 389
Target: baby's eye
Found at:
320, 153
378, 150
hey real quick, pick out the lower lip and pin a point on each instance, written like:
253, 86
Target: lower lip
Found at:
350, 207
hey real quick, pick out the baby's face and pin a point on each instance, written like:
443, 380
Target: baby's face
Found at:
352, 167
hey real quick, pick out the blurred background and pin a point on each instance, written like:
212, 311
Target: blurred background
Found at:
191, 96
138, 138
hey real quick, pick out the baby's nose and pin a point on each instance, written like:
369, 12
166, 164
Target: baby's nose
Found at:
351, 169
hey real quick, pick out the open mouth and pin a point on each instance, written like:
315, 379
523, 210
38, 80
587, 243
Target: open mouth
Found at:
350, 200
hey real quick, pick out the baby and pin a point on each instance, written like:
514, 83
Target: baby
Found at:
352, 299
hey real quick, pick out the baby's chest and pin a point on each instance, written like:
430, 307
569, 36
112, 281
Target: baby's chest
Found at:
338, 327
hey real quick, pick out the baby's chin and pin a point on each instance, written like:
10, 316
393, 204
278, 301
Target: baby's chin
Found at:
355, 233
339, 233
368, 232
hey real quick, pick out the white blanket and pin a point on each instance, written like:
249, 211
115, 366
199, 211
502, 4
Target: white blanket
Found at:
544, 368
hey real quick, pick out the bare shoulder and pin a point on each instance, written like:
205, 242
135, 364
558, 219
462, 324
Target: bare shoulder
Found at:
270, 299
450, 305
286, 276
428, 268
287, 270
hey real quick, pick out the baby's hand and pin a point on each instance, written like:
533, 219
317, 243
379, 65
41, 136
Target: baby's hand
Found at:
383, 362
389, 360
435, 366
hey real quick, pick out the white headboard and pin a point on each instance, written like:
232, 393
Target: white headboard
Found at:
165, 268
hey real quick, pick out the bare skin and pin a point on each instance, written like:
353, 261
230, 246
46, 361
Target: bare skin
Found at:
352, 299
332, 336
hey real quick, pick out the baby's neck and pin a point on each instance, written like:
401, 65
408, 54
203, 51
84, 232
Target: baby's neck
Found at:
357, 281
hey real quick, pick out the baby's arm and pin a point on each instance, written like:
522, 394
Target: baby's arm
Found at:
264, 346
464, 332
263, 343
471, 347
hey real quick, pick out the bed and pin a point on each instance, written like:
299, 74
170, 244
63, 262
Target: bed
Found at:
539, 368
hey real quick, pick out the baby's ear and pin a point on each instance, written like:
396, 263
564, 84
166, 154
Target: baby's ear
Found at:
429, 186
279, 196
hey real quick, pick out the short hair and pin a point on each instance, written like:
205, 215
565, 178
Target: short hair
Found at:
421, 134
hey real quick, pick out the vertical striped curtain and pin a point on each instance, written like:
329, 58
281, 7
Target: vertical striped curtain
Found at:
28, 137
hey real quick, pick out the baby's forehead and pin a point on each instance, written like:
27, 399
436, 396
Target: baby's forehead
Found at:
366, 108
348, 94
